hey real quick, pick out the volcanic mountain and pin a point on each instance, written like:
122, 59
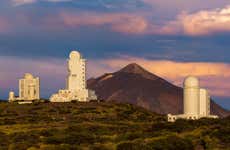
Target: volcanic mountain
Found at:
133, 84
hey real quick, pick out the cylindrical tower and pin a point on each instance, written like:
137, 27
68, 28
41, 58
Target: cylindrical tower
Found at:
191, 96
76, 79
204, 102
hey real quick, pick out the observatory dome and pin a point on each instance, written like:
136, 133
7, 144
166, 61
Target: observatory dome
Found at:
74, 55
28, 76
191, 81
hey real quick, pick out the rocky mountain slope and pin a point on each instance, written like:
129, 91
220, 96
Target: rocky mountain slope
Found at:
135, 85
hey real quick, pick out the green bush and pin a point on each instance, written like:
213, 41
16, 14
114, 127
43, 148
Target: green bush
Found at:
171, 143
21, 137
55, 139
4, 141
223, 134
131, 146
80, 138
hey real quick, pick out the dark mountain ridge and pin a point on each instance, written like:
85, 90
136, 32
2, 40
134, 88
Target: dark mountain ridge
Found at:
133, 84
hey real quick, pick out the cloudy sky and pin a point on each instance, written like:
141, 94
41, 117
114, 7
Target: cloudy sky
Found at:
171, 38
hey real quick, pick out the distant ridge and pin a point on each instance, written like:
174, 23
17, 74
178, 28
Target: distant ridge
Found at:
133, 84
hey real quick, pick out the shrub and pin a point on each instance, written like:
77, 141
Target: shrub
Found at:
79, 138
56, 139
171, 143
223, 134
131, 146
24, 137
4, 141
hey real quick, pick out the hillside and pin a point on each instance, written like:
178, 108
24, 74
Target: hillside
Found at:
133, 84
104, 126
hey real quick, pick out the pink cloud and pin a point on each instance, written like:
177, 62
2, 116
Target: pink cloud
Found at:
194, 24
119, 22
203, 22
22, 2
170, 5
206, 22
199, 23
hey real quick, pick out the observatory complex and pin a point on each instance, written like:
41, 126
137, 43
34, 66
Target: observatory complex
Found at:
29, 90
196, 102
75, 83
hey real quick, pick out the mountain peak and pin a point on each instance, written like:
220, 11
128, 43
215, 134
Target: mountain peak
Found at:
137, 69
133, 68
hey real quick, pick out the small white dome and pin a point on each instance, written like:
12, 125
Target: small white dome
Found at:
28, 76
74, 55
11, 93
191, 81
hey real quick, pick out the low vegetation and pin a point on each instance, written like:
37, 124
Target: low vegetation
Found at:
104, 126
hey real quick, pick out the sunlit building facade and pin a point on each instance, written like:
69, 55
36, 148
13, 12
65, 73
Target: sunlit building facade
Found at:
29, 89
196, 102
75, 83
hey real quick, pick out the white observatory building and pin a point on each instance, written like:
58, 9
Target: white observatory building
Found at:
196, 102
75, 83
29, 90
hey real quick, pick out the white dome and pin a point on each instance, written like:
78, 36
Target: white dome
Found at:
74, 55
11, 93
28, 76
191, 81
